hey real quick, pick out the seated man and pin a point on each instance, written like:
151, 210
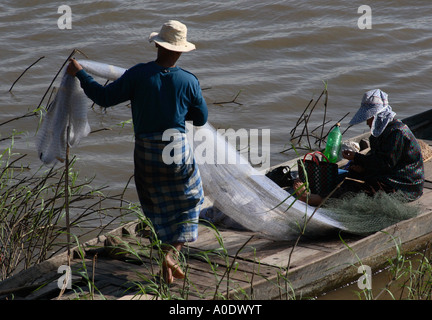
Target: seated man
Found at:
394, 162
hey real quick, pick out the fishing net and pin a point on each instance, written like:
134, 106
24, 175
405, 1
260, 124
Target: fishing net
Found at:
362, 214
64, 121
233, 186
249, 197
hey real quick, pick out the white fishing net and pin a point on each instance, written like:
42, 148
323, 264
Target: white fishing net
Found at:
249, 197
65, 120
68, 109
230, 182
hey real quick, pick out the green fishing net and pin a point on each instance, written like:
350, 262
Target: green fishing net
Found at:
362, 214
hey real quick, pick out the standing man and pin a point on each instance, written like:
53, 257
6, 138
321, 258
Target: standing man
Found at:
163, 96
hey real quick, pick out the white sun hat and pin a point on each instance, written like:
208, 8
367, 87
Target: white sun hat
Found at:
172, 36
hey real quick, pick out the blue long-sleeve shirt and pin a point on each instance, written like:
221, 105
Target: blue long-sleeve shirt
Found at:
161, 98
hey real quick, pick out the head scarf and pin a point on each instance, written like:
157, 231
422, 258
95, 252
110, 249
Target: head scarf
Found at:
374, 104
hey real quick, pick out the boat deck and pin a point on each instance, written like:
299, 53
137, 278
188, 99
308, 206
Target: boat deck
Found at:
224, 264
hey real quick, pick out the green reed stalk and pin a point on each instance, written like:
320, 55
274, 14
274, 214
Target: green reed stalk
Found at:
32, 210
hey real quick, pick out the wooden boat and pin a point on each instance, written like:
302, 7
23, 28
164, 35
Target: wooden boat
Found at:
233, 264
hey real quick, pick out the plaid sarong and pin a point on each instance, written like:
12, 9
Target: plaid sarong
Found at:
170, 194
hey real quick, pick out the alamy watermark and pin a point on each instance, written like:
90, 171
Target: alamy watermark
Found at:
64, 281
365, 20
211, 149
221, 146
365, 281
65, 20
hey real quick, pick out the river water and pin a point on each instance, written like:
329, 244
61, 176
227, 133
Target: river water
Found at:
276, 55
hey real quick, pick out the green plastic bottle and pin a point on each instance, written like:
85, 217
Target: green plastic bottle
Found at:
333, 145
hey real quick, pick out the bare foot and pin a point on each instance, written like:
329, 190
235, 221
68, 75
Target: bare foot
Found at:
167, 274
171, 270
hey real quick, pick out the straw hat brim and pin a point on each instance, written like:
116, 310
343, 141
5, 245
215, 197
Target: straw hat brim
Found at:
184, 47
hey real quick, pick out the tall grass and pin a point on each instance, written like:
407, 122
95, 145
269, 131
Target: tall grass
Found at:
146, 250
32, 210
407, 275
410, 276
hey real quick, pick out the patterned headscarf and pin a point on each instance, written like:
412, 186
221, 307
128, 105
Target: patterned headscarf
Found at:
374, 104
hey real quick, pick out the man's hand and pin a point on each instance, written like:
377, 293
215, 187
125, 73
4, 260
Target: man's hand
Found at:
349, 155
73, 67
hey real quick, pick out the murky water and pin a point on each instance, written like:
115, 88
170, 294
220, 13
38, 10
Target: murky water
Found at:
276, 54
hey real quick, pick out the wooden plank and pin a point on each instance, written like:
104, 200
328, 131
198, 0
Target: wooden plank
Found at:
315, 263
246, 266
145, 296
341, 265
299, 257
232, 239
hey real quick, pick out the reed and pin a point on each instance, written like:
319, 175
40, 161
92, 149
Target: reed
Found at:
33, 227
146, 250
303, 124
33, 210
13, 84
410, 275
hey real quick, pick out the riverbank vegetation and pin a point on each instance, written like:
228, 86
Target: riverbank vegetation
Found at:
39, 207
47, 210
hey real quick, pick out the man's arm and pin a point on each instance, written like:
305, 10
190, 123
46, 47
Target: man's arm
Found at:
198, 112
105, 96
383, 160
